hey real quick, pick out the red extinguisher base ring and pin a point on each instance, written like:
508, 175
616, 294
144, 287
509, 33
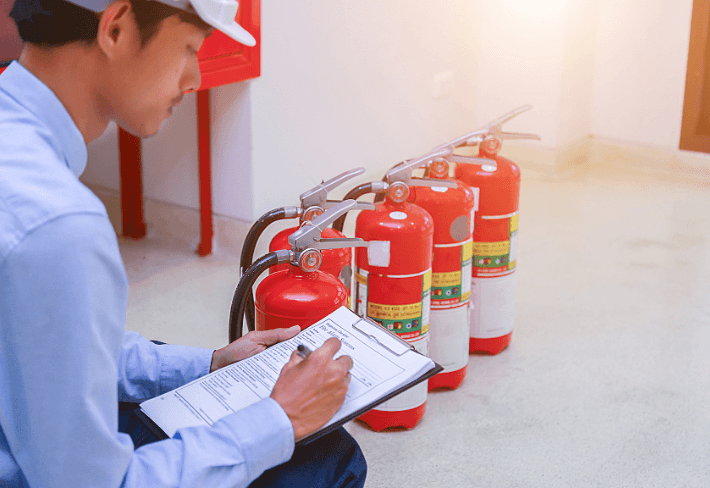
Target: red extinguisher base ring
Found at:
379, 420
449, 380
492, 346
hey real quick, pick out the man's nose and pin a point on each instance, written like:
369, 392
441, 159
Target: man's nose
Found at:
191, 78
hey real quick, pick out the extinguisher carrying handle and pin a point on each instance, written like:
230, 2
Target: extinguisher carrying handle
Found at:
432, 182
497, 124
377, 187
503, 136
318, 196
489, 164
404, 172
239, 301
495, 129
250, 245
340, 242
332, 203
309, 235
454, 158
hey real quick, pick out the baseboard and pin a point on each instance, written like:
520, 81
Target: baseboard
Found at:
663, 163
591, 152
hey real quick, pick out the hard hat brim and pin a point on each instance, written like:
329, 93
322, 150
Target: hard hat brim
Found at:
236, 32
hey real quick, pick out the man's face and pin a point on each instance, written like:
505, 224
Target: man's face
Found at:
144, 84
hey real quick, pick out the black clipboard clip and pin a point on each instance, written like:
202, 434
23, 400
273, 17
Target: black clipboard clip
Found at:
374, 338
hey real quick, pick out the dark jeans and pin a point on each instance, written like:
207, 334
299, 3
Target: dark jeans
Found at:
332, 461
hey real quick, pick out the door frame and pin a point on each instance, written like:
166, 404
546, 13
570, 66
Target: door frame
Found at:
697, 73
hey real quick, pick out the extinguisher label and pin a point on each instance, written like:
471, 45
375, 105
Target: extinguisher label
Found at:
404, 320
491, 248
441, 280
451, 289
497, 258
409, 321
513, 241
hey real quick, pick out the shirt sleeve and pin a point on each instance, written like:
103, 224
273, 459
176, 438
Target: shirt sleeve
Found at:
146, 370
62, 323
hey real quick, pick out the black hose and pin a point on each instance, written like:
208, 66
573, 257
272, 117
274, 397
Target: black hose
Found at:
239, 302
248, 252
353, 194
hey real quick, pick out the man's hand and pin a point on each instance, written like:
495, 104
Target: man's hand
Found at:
311, 390
252, 343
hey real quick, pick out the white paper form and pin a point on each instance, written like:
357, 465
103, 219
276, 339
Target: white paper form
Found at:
376, 371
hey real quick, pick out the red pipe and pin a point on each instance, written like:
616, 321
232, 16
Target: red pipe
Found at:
129, 150
203, 142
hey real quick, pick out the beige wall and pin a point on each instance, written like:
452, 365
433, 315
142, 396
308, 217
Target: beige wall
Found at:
348, 84
641, 58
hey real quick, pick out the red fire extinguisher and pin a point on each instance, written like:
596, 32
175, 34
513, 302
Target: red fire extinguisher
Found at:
313, 203
300, 295
393, 280
495, 235
453, 212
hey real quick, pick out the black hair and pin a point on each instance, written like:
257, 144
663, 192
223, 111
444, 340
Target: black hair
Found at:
52, 23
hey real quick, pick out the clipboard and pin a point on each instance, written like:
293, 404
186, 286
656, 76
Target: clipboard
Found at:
160, 434
376, 334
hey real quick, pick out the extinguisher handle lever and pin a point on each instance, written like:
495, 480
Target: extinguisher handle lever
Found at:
495, 125
359, 205
317, 196
308, 236
494, 128
432, 182
519, 135
340, 242
454, 158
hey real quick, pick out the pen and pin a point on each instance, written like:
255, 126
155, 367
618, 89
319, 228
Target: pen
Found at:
303, 351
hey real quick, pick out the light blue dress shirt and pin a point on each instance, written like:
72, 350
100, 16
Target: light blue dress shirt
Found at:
65, 359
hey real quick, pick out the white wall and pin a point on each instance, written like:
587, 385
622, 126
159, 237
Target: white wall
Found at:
351, 84
348, 85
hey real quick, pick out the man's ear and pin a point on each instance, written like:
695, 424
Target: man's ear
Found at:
117, 29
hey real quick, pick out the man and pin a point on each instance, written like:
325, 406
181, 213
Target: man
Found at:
65, 360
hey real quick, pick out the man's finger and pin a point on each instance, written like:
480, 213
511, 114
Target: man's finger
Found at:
347, 360
330, 347
295, 358
275, 336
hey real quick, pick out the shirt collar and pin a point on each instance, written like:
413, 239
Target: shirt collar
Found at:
36, 97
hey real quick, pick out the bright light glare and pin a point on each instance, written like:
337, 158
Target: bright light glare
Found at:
535, 8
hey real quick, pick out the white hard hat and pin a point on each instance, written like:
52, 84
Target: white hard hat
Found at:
220, 14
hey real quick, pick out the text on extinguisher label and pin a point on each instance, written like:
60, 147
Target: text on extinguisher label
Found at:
499, 257
404, 320
449, 289
410, 320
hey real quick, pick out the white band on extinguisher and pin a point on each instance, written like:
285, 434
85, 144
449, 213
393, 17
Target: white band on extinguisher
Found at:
496, 217
454, 244
492, 306
416, 395
378, 253
449, 332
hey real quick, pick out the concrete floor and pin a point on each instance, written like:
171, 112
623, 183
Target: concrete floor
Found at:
607, 380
